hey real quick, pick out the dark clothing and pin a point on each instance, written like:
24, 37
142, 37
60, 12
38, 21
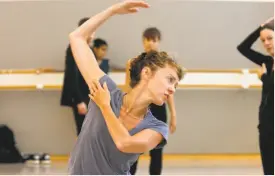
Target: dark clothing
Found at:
266, 109
267, 151
159, 112
155, 164
79, 118
156, 154
75, 90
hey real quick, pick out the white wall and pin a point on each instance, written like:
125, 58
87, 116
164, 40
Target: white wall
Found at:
202, 34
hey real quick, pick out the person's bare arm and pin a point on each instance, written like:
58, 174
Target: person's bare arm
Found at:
141, 142
90, 70
128, 79
84, 57
173, 117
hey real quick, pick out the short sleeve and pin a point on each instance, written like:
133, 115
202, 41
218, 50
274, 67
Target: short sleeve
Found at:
110, 83
161, 128
115, 93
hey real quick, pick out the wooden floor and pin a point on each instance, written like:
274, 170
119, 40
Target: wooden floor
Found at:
175, 165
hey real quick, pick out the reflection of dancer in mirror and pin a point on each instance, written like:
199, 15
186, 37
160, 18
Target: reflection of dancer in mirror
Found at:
119, 127
266, 74
151, 40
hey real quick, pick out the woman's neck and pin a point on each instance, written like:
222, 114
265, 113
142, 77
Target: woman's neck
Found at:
136, 102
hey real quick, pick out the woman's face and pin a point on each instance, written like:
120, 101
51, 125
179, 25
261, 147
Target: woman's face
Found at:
163, 84
101, 51
266, 36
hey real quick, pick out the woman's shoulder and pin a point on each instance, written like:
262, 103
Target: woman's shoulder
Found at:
153, 121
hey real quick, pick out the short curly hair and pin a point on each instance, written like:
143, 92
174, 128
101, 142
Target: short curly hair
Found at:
153, 60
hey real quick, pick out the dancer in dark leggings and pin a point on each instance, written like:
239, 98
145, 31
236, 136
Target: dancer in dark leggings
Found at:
266, 110
151, 40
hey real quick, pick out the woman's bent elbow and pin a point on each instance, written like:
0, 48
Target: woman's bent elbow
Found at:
241, 49
73, 36
121, 147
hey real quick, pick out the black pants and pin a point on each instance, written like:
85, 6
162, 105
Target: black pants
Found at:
155, 164
266, 143
267, 153
79, 119
156, 154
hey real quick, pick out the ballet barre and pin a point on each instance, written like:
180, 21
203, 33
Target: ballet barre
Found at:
44, 79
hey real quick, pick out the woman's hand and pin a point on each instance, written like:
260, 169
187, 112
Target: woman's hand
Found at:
128, 6
100, 95
261, 71
267, 21
172, 125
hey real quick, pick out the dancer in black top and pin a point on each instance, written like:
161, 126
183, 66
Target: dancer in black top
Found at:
266, 110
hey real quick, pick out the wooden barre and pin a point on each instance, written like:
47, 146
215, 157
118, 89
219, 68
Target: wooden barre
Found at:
255, 86
30, 71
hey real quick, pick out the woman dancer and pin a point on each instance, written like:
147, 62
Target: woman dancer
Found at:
119, 127
266, 110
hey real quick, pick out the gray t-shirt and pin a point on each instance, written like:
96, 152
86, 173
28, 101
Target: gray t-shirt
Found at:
95, 152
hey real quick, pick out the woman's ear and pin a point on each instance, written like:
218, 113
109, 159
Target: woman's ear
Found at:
146, 73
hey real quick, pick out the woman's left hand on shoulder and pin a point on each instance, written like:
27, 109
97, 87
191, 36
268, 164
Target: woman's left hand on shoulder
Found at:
99, 94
